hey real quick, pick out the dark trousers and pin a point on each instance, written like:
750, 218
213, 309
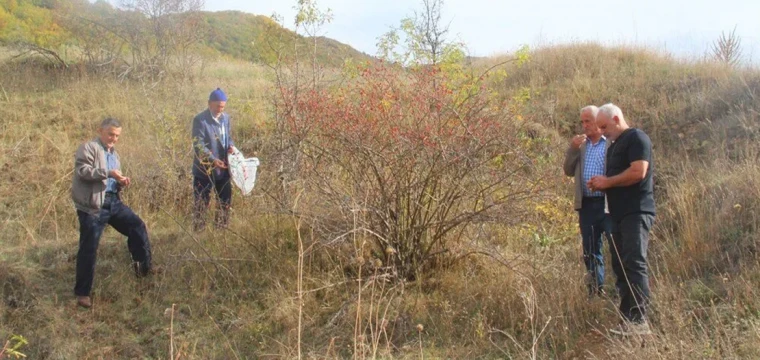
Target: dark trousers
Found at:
91, 227
202, 186
594, 223
629, 261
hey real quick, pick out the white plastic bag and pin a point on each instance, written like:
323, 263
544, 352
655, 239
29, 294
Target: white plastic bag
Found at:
243, 171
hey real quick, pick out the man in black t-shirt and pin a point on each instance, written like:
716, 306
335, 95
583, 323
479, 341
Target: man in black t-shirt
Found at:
629, 188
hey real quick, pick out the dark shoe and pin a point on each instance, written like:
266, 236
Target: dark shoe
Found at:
156, 270
198, 226
220, 225
84, 301
593, 290
222, 218
141, 270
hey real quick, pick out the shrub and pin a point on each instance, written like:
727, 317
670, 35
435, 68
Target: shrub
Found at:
408, 157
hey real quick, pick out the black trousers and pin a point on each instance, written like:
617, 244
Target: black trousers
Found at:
630, 241
91, 227
202, 186
595, 225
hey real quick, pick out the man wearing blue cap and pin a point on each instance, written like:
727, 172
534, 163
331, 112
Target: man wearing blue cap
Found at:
212, 141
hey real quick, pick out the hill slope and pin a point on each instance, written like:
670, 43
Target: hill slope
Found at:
255, 37
240, 294
61, 26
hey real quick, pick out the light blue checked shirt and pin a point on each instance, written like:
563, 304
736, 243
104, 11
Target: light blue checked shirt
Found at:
593, 164
111, 184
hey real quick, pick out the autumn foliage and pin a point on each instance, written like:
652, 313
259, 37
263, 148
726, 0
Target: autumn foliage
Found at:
406, 156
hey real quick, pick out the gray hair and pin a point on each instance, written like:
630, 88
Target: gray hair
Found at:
611, 110
593, 109
109, 123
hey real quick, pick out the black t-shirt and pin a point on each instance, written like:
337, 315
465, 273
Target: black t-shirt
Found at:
632, 145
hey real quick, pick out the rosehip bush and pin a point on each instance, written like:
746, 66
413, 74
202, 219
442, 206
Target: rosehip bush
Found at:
419, 157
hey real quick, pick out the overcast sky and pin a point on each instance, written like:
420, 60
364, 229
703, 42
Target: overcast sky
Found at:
491, 27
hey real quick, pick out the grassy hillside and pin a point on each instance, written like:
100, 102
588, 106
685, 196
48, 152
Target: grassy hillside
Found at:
696, 108
69, 28
255, 38
235, 294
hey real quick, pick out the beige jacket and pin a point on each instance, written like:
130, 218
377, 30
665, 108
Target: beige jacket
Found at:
88, 188
573, 166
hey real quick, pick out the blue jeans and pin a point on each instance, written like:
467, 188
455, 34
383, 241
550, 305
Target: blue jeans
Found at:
202, 186
91, 227
594, 222
629, 262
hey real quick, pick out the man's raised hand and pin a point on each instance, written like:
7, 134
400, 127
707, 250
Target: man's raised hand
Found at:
578, 140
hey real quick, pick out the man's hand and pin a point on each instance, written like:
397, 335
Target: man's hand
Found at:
219, 164
121, 179
577, 141
124, 181
598, 183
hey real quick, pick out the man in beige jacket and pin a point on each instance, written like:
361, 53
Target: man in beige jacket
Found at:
95, 191
584, 159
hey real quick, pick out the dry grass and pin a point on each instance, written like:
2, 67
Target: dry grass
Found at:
236, 292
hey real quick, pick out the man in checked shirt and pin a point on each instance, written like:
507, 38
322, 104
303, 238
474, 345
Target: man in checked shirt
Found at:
584, 159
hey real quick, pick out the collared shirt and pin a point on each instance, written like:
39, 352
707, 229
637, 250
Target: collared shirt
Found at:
222, 134
593, 164
111, 183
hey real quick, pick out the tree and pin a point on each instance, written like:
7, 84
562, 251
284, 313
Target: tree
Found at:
421, 39
397, 161
408, 160
727, 48
293, 81
162, 34
31, 29
151, 38
311, 18
99, 43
